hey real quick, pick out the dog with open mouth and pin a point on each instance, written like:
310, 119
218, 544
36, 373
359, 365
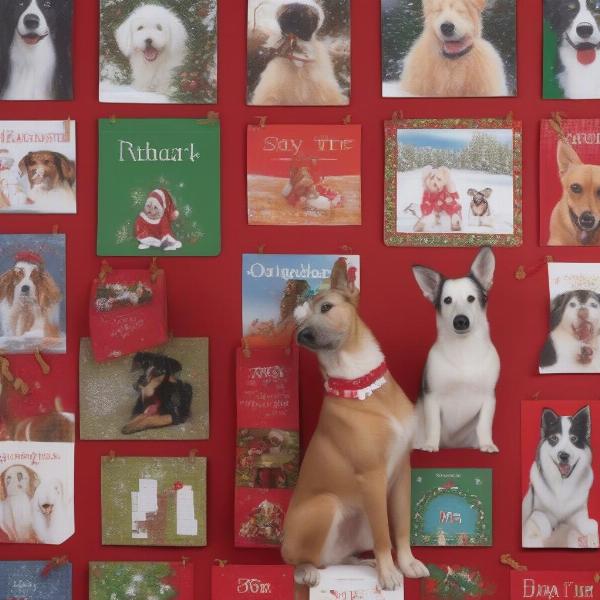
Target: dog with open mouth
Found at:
451, 58
555, 507
35, 50
576, 24
154, 40
575, 220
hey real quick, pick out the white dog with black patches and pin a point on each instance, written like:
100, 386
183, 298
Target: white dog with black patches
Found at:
555, 508
154, 40
458, 401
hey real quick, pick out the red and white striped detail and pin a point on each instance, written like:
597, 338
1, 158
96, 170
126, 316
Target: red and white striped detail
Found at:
357, 389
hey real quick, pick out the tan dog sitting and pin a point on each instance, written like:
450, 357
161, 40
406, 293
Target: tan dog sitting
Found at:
575, 219
353, 492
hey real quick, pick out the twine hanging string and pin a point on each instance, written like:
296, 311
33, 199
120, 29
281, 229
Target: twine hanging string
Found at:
509, 561
523, 272
556, 122
44, 366
57, 561
18, 384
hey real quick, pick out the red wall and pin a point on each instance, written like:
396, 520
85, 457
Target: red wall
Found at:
204, 293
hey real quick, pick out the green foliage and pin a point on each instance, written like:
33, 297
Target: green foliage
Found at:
122, 581
195, 81
455, 583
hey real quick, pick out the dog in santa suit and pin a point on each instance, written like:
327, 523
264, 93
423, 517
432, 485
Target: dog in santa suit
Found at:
440, 198
153, 225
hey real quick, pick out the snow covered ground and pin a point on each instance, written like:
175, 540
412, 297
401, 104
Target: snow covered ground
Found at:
110, 92
410, 192
391, 89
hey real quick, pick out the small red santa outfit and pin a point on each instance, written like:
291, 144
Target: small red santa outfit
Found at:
153, 231
443, 201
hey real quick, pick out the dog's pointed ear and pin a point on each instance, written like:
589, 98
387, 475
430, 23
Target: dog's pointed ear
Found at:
471, 192
343, 278
124, 37
582, 421
557, 309
487, 192
549, 420
566, 157
174, 365
479, 4
483, 268
429, 281
136, 363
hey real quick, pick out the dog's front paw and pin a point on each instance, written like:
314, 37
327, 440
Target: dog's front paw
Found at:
307, 575
429, 448
412, 568
489, 448
390, 579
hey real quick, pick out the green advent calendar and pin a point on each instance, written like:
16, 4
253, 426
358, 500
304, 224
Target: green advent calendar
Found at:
159, 187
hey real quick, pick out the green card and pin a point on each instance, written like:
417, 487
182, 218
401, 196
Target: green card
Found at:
451, 507
159, 187
149, 501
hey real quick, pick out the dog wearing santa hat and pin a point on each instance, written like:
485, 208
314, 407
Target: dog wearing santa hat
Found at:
153, 224
29, 299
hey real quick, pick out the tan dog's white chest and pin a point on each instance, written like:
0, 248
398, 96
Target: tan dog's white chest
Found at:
400, 440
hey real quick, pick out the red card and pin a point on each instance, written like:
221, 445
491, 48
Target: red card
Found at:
550, 585
128, 313
253, 582
268, 447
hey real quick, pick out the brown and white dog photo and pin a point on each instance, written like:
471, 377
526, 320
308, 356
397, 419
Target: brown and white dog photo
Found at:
298, 52
440, 204
453, 50
17, 488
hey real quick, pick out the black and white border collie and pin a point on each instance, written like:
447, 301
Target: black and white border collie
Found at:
35, 49
577, 25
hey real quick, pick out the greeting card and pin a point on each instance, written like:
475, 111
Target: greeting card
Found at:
35, 580
159, 187
273, 285
154, 501
252, 582
304, 175
451, 507
125, 580
351, 583
455, 582
551, 585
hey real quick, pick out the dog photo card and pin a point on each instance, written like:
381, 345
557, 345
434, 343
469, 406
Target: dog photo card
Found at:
35, 580
570, 155
304, 175
561, 496
36, 46
573, 342
36, 492
449, 49
153, 501
347, 582
451, 507
273, 285
123, 580
37, 167
158, 52
250, 582
158, 394
453, 182
32, 294
571, 66
159, 187
570, 585
298, 52
455, 582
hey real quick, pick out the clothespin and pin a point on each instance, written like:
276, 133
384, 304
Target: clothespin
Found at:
522, 272
261, 248
56, 562
397, 116
105, 269
55, 229
556, 122
44, 366
112, 455
347, 120
509, 561
113, 119
67, 129
246, 348
154, 270
212, 116
346, 249
221, 563
192, 455
535, 395
596, 577
262, 122
509, 118
185, 560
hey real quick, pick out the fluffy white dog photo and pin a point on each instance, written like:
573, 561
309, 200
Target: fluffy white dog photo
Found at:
51, 522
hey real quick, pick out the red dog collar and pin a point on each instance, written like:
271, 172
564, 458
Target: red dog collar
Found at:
358, 389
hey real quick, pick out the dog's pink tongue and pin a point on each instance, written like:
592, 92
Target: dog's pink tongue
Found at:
564, 469
150, 54
587, 56
454, 47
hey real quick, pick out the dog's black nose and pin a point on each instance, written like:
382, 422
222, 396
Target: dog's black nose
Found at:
306, 336
31, 21
148, 41
25, 289
585, 30
461, 323
587, 220
564, 456
448, 28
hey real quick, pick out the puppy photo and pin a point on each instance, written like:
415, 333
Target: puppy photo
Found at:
573, 343
571, 44
32, 283
35, 46
38, 177
18, 484
449, 48
457, 402
162, 51
298, 52
49, 512
160, 394
559, 490
444, 185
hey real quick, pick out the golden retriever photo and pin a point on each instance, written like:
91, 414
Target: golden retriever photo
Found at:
299, 52
448, 48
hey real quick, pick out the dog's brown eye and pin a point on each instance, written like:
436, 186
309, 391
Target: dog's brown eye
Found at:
447, 300
576, 188
574, 439
553, 439
325, 308
140, 27
572, 304
159, 27
471, 299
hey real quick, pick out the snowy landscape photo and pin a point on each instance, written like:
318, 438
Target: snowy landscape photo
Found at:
451, 185
158, 52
